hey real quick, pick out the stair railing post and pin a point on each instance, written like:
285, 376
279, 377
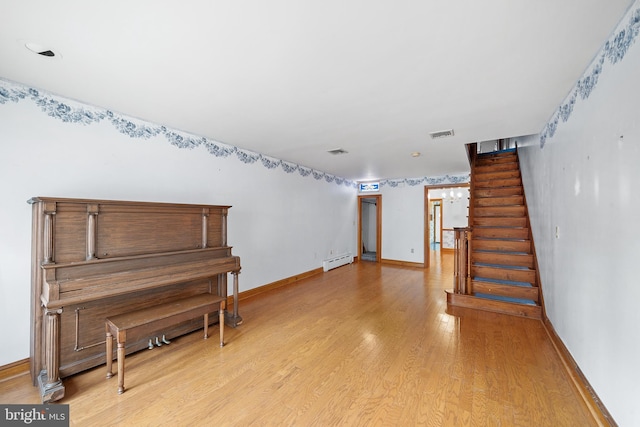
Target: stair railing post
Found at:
468, 241
460, 260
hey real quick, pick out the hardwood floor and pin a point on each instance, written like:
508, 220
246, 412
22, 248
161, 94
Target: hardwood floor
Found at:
363, 344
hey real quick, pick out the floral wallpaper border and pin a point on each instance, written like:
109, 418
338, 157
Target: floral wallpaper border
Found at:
614, 51
75, 112
427, 180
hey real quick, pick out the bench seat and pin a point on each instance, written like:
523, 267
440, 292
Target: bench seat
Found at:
143, 322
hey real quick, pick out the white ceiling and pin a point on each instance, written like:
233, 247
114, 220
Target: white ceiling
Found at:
294, 78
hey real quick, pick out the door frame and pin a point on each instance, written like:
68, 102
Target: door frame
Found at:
378, 198
427, 246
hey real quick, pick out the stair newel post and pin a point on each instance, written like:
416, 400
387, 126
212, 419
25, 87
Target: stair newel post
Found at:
461, 270
456, 239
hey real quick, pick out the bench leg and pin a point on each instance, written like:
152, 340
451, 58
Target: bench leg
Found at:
109, 354
221, 313
120, 367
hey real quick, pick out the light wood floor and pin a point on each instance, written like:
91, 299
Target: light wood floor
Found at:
360, 345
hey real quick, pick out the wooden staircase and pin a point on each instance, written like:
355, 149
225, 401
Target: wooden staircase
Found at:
499, 272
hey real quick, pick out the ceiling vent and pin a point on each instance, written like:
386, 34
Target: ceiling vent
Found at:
337, 151
39, 49
441, 134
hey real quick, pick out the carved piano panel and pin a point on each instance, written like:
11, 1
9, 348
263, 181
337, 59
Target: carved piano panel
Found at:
96, 258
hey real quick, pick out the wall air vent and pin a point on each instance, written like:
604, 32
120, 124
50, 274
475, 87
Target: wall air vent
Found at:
441, 134
337, 151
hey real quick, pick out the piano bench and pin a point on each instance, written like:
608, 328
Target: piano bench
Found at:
145, 321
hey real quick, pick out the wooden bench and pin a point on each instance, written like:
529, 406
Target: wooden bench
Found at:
146, 321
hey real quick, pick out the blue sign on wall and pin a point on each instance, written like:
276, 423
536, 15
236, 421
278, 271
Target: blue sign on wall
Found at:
367, 187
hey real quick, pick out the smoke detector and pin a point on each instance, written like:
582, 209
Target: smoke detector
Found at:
441, 134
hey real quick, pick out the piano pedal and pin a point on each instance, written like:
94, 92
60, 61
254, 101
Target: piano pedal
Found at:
158, 343
150, 344
165, 340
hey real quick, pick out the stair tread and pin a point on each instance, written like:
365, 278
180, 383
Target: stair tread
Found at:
503, 282
507, 266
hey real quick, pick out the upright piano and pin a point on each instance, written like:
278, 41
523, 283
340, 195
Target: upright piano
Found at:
97, 258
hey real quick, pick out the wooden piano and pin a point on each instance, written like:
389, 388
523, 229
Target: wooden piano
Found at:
97, 258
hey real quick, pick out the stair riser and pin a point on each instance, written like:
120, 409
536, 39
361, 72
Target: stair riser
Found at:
505, 290
508, 211
502, 259
498, 192
501, 233
469, 301
492, 160
499, 201
495, 183
497, 167
486, 176
527, 276
500, 222
501, 245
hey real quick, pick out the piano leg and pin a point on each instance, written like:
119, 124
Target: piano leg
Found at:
50, 384
230, 319
234, 319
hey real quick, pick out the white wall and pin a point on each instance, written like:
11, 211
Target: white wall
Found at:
403, 223
281, 224
456, 213
403, 215
585, 182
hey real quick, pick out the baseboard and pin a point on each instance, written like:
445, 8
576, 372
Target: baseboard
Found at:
598, 411
14, 369
278, 284
402, 263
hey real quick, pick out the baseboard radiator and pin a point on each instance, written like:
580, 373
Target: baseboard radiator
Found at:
337, 261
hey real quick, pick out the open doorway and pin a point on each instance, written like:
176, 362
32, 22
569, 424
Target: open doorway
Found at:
435, 224
369, 232
451, 203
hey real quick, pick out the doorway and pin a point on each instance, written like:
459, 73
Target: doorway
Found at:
369, 231
453, 211
435, 224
